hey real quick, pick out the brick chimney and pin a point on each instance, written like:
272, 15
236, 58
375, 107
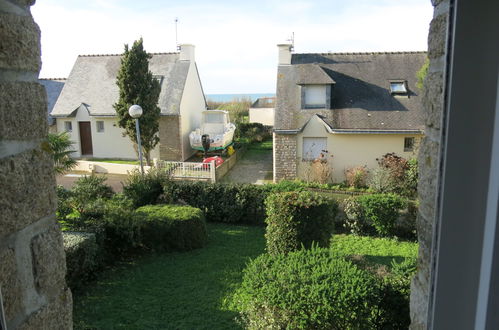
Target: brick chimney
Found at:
284, 54
187, 52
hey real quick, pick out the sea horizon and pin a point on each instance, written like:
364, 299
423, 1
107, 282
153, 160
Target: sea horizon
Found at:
230, 97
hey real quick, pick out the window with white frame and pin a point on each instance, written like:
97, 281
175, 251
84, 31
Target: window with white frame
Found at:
408, 144
313, 147
100, 126
68, 126
314, 96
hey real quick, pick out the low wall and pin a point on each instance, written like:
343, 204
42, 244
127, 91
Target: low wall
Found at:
111, 168
229, 163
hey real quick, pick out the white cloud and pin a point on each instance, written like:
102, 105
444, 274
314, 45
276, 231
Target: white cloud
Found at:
235, 46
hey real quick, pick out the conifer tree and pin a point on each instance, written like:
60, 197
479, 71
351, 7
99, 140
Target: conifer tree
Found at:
137, 86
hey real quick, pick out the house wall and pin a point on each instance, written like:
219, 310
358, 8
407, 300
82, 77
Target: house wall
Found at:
191, 107
170, 145
264, 116
429, 155
32, 259
284, 162
108, 144
349, 150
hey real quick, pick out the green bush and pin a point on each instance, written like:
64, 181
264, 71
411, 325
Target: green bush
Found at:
296, 219
81, 257
252, 132
145, 189
306, 289
374, 214
88, 196
229, 203
63, 203
172, 227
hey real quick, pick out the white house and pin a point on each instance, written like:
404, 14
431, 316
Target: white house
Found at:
85, 110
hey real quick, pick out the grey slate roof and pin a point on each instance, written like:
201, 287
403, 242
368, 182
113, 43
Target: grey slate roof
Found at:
53, 87
361, 99
92, 82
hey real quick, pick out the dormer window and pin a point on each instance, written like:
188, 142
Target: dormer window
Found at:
314, 96
398, 87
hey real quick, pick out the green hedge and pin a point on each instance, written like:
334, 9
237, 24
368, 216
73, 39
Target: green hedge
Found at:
229, 203
375, 214
145, 189
306, 289
81, 257
172, 227
298, 218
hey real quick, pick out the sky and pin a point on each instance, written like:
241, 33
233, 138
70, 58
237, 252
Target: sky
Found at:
235, 41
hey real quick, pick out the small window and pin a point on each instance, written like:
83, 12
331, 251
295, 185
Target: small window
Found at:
159, 78
100, 126
398, 87
314, 96
408, 144
313, 148
68, 126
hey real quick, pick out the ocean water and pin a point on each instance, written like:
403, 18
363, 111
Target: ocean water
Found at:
230, 97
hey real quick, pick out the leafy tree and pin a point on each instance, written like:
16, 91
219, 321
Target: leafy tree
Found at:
60, 146
421, 74
137, 86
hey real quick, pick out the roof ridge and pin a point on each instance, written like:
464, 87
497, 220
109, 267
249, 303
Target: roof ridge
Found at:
102, 55
365, 53
52, 78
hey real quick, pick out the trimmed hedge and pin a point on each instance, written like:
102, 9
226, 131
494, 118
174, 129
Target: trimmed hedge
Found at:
81, 257
374, 214
306, 289
229, 203
297, 219
172, 227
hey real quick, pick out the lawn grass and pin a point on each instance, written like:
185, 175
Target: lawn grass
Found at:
380, 251
115, 161
193, 290
173, 291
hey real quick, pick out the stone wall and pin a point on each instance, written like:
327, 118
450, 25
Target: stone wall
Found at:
32, 260
285, 166
170, 143
429, 160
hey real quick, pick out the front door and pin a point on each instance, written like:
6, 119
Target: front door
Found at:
85, 138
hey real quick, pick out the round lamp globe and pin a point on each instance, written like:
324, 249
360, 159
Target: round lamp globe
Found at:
135, 111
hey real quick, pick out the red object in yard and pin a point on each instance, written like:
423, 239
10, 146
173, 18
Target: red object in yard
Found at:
218, 160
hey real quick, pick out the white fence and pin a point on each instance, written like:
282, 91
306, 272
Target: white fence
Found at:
186, 170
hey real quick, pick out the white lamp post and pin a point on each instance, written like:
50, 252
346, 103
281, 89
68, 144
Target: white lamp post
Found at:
135, 111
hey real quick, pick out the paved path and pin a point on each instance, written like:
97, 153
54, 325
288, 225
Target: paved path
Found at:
113, 180
254, 167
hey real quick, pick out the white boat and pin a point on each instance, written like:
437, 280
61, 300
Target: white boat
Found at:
217, 130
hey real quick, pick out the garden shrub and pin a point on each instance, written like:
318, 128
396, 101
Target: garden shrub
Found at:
356, 176
229, 203
374, 214
63, 203
88, 196
306, 289
296, 219
145, 189
252, 132
172, 227
81, 257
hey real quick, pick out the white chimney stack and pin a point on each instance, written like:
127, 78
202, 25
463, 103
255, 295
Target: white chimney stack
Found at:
284, 54
187, 52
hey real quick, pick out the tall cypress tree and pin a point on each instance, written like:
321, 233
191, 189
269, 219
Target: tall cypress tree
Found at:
137, 86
